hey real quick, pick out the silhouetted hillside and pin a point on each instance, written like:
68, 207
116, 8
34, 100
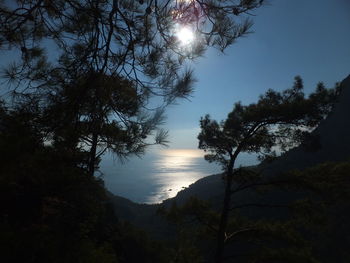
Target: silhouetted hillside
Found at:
334, 140
333, 145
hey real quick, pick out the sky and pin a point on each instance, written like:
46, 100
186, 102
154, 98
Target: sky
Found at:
310, 38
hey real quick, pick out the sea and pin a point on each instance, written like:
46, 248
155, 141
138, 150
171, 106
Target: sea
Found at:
159, 174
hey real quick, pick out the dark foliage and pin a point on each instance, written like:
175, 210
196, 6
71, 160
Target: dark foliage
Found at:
116, 64
52, 210
279, 120
299, 216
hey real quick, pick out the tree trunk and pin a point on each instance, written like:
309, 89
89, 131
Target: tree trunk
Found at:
224, 215
92, 159
96, 128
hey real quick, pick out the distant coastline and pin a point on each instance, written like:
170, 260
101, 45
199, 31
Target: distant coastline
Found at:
158, 175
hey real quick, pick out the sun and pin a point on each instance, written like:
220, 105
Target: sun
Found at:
185, 35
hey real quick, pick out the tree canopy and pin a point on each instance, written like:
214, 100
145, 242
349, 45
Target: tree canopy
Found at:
278, 120
111, 67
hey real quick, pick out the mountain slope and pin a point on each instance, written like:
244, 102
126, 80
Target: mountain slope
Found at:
334, 138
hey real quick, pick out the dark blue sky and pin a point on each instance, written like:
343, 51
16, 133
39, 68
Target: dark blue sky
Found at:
310, 38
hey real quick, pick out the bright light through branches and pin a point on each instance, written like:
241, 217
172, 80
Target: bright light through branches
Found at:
185, 35
187, 15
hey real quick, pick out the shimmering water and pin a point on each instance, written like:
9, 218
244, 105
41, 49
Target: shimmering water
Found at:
158, 175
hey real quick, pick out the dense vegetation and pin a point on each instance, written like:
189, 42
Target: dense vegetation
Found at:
279, 120
299, 216
52, 210
117, 67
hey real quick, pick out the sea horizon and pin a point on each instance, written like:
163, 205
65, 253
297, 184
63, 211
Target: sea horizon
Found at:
159, 174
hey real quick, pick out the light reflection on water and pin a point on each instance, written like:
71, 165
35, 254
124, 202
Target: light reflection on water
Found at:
175, 170
157, 176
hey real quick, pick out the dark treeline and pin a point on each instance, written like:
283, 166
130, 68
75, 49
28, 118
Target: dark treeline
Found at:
61, 111
84, 81
52, 209
264, 215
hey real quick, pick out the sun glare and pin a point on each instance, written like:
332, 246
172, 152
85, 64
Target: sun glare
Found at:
185, 36
187, 153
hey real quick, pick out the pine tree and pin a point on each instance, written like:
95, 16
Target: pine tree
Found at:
117, 64
278, 119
